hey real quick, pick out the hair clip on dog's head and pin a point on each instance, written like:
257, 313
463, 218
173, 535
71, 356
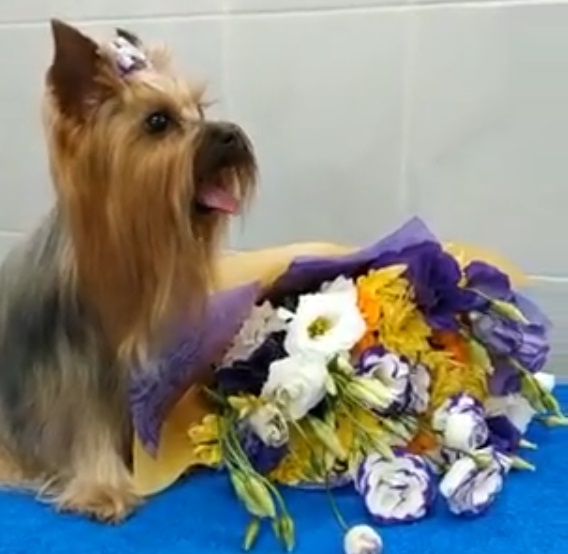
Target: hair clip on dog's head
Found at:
129, 57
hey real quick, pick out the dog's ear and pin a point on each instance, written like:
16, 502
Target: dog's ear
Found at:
74, 69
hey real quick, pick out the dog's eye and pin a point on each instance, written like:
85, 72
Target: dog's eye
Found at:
158, 122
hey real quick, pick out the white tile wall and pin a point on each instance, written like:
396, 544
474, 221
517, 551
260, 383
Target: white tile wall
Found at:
322, 97
488, 127
363, 112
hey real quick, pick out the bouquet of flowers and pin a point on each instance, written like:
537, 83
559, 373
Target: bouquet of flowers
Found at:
399, 370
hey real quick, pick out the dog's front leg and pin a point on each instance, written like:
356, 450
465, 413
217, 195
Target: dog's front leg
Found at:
100, 485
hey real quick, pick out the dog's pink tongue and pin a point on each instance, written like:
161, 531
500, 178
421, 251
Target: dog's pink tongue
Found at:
219, 198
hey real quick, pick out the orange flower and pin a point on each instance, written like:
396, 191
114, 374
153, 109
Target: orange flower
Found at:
369, 306
378, 292
453, 343
422, 442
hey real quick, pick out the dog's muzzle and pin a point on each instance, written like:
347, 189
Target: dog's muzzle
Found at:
221, 146
224, 151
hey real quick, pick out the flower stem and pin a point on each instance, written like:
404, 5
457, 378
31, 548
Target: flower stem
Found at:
283, 523
320, 469
335, 508
215, 397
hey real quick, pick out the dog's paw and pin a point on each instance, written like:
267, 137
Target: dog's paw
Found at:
104, 503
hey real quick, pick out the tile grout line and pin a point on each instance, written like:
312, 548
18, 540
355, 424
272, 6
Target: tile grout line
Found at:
227, 13
548, 279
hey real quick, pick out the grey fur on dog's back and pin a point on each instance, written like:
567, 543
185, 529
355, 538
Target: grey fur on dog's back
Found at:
53, 368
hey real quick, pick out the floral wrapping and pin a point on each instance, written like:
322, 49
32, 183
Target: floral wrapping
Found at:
399, 370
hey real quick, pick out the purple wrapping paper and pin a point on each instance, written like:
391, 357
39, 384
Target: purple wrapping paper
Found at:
154, 391
308, 272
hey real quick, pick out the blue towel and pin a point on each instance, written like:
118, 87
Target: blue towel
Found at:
201, 516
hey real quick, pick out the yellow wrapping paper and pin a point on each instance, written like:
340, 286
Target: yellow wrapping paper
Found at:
175, 454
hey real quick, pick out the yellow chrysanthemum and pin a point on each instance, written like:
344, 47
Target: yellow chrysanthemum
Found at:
386, 301
297, 466
305, 447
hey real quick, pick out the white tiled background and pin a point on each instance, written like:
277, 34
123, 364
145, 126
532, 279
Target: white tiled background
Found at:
364, 112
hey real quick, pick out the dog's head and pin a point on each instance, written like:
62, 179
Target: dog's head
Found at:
144, 180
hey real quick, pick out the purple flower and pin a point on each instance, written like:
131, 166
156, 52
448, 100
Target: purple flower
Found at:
527, 344
435, 276
503, 435
396, 490
496, 285
249, 376
488, 280
470, 489
262, 457
505, 379
461, 422
391, 370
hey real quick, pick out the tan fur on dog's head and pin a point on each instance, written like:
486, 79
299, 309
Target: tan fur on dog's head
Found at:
143, 180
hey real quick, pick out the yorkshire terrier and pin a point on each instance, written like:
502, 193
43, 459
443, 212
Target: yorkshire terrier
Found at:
144, 187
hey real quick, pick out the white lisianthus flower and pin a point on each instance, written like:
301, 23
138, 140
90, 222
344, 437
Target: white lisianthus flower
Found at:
401, 489
296, 384
515, 407
262, 322
392, 371
461, 422
362, 539
268, 423
470, 489
325, 324
341, 284
420, 381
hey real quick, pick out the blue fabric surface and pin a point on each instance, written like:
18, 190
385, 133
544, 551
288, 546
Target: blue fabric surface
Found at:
202, 516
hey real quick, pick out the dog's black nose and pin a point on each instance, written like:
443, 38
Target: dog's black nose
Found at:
227, 134
222, 144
